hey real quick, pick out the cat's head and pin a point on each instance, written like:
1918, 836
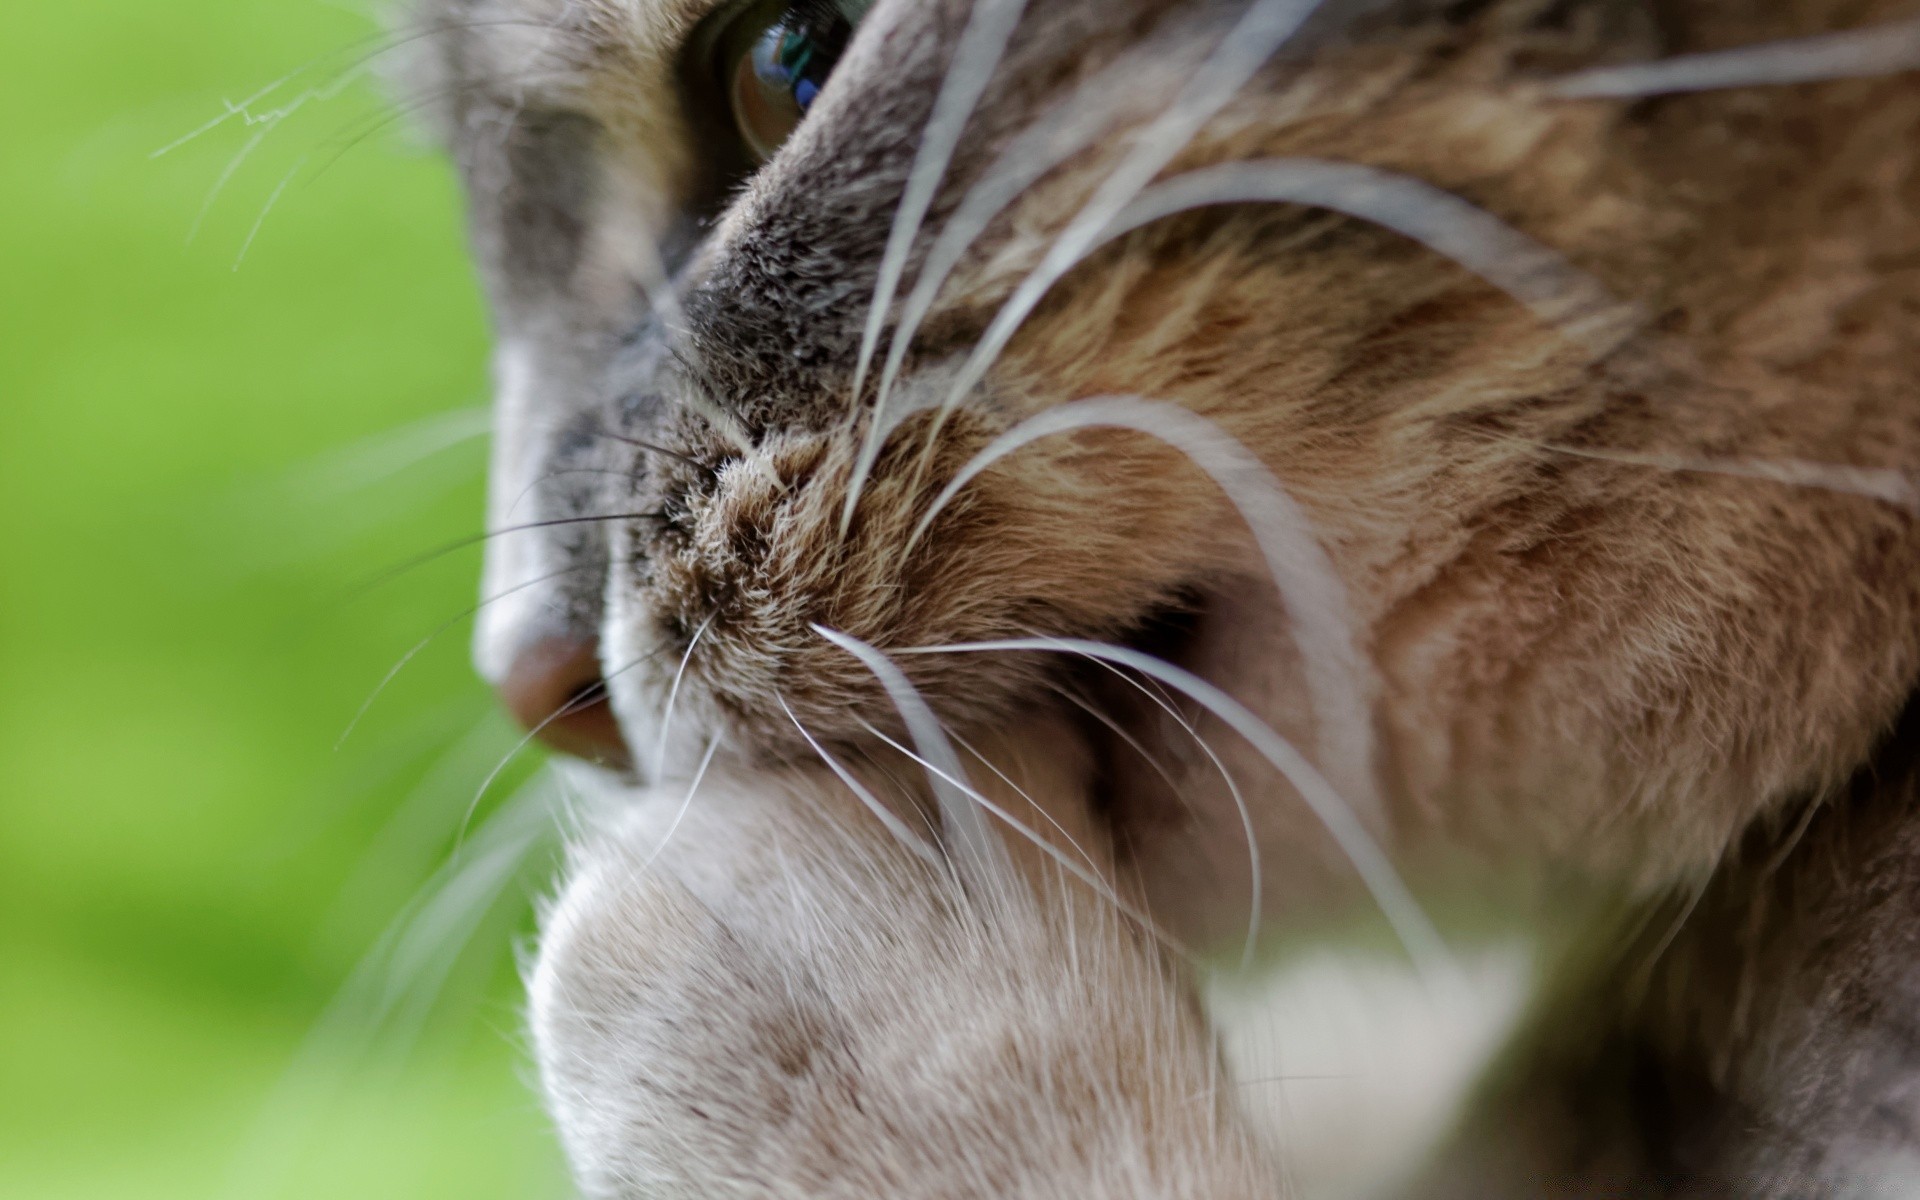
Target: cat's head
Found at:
1482, 363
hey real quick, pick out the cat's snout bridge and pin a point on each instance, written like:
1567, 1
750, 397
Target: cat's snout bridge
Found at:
555, 689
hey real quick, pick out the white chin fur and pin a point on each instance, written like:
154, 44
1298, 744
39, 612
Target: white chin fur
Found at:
1352, 1067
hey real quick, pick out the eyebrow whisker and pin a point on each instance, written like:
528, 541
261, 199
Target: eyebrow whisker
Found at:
1885, 49
989, 27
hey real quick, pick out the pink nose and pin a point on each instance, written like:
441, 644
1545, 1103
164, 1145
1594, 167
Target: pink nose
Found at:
554, 688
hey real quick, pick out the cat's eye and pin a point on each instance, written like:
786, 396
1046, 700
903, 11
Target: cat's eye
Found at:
766, 61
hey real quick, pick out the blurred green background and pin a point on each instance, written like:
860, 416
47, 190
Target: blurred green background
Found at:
235, 959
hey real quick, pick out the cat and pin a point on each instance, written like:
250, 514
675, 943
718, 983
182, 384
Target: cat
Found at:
1023, 499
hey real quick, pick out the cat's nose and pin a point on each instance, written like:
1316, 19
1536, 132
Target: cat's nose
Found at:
555, 690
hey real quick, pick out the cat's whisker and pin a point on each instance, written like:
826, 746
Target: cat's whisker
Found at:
434, 943
693, 789
1310, 589
1262, 30
421, 645
1891, 485
375, 47
384, 455
270, 118
680, 457
723, 422
673, 693
407, 104
978, 853
1063, 132
1106, 721
982, 44
1256, 873
920, 847
411, 834
355, 133
1410, 923
385, 119
568, 473
1003, 777
1099, 886
223, 179
471, 540
657, 284
259, 222
269, 121
1533, 274
589, 697
1883, 49
596, 430
241, 109
409, 962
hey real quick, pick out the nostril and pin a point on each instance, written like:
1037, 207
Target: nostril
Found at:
554, 689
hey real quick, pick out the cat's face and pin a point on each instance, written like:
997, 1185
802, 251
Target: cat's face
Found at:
1589, 653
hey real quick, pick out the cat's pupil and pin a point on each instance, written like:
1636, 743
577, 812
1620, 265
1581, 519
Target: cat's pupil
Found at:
787, 52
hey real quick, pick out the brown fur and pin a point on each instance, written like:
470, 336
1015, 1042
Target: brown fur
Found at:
1577, 662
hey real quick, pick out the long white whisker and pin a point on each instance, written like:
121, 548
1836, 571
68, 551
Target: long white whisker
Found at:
597, 694
434, 938
1900, 488
384, 455
1021, 792
673, 694
1416, 932
414, 954
266, 210
1531, 273
1042, 146
699, 777
502, 844
1124, 734
225, 177
413, 829
982, 44
1259, 34
921, 848
1876, 50
242, 109
981, 857
1066, 863
267, 122
413, 653
1310, 588
381, 45
1256, 890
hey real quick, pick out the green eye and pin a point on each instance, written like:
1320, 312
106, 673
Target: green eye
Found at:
769, 59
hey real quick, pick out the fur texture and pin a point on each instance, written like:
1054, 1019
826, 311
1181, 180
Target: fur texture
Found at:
1575, 659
